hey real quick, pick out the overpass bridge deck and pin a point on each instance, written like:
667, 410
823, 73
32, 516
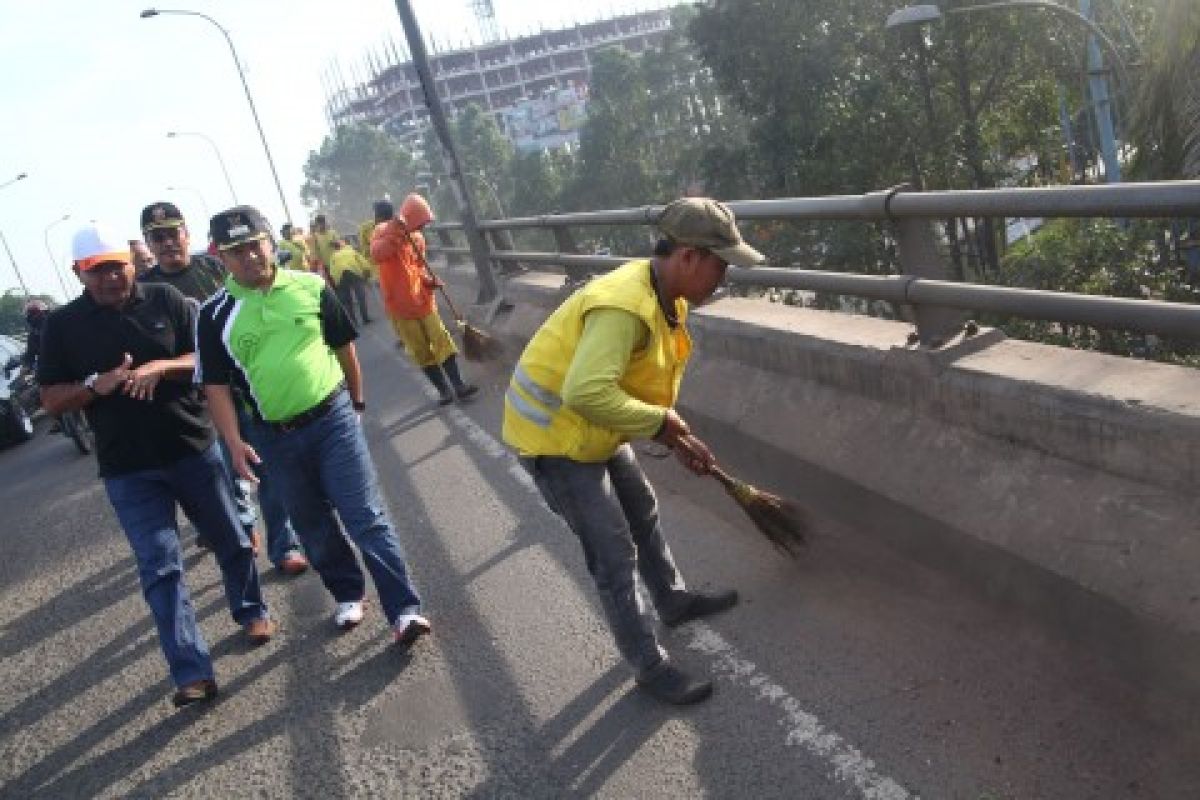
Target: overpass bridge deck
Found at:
851, 673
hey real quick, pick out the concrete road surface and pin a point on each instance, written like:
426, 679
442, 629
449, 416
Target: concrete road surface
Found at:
849, 673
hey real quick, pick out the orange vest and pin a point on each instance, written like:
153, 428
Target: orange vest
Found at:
403, 278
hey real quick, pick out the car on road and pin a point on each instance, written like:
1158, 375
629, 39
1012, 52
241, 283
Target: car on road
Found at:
16, 425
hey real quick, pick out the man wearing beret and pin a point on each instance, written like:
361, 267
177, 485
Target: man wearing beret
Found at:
605, 369
285, 340
124, 353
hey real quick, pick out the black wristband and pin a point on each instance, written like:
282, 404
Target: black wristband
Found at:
359, 405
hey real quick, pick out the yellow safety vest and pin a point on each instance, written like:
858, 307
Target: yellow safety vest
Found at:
537, 423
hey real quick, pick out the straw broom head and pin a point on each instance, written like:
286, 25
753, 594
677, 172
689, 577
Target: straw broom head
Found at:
783, 523
478, 346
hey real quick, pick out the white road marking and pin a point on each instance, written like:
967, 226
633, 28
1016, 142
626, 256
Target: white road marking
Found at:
803, 728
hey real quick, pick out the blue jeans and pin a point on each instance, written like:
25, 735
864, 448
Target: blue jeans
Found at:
281, 537
324, 467
146, 504
611, 507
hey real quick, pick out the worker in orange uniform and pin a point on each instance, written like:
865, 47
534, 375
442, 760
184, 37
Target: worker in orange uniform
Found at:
398, 248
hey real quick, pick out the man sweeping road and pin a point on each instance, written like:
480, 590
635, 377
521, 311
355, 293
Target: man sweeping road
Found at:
604, 369
398, 247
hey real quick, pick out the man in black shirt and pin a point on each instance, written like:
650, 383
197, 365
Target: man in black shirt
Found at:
124, 352
199, 277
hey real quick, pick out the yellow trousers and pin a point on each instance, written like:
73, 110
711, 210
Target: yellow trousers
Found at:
427, 341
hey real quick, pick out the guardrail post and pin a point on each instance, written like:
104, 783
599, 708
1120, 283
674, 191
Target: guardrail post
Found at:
503, 240
564, 240
447, 241
919, 257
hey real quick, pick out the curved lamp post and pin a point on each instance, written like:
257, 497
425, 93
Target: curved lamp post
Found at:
20, 278
54, 264
199, 196
922, 14
22, 176
216, 152
154, 12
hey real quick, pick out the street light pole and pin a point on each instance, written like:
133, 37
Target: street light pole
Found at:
53, 263
154, 12
20, 278
216, 152
22, 176
16, 269
199, 196
488, 290
921, 14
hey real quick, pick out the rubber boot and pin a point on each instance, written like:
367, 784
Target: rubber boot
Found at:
438, 379
462, 389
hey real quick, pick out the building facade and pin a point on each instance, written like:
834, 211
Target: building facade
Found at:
535, 86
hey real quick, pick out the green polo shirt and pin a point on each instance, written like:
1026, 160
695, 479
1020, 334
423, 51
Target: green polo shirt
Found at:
276, 344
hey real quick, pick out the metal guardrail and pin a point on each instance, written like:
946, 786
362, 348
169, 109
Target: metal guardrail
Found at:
937, 303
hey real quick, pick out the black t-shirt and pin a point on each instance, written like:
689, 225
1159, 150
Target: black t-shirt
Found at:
203, 277
157, 323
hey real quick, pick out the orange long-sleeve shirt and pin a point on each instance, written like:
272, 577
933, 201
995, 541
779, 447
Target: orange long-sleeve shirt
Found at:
403, 279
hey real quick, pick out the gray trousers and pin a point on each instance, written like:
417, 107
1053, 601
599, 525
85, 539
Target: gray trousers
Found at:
611, 507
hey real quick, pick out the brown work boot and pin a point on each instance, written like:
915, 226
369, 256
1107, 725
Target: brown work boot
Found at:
259, 631
195, 692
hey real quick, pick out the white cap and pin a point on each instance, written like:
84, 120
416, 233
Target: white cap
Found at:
96, 244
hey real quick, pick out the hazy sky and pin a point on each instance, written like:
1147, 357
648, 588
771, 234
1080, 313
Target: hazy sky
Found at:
90, 91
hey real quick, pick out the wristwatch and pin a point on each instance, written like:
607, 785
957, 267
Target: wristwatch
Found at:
359, 405
89, 382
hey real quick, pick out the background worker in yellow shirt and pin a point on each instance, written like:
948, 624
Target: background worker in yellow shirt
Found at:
348, 271
294, 247
603, 370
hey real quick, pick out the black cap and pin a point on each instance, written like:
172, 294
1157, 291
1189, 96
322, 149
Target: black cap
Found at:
237, 225
161, 215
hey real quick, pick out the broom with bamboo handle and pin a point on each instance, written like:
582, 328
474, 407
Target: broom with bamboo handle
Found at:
477, 345
783, 522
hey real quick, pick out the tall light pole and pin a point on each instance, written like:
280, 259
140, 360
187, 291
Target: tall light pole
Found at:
22, 176
20, 278
216, 152
199, 196
53, 263
154, 12
488, 290
922, 14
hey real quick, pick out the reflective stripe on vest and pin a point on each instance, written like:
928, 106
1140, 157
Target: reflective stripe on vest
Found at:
523, 407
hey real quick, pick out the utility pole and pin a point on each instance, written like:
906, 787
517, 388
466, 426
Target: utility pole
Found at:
488, 290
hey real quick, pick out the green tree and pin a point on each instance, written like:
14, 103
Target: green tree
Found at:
1166, 126
353, 168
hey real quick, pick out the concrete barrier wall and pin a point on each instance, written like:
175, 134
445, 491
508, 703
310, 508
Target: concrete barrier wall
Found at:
1053, 477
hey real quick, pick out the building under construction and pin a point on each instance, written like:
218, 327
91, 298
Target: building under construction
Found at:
534, 85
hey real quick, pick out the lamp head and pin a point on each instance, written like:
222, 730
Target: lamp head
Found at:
149, 12
913, 15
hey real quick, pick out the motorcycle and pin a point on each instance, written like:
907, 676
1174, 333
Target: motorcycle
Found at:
27, 403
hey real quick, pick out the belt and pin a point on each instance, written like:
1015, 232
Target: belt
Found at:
305, 417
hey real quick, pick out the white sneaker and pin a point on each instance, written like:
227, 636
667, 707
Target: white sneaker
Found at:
410, 627
348, 615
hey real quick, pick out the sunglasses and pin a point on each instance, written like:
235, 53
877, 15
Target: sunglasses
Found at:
165, 235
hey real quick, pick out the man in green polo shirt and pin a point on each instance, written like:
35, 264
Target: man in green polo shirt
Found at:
285, 340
